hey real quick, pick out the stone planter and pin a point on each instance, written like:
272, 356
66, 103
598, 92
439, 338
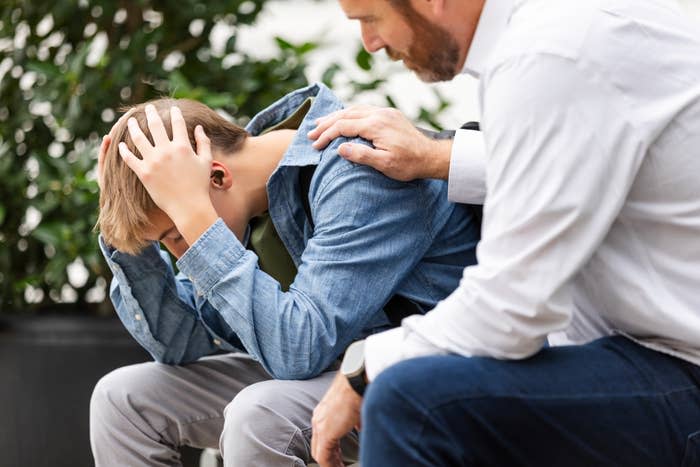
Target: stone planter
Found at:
49, 365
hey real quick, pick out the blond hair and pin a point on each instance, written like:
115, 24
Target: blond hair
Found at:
125, 205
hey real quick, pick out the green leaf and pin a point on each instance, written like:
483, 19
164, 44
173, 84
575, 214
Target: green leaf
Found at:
48, 69
49, 234
2, 214
364, 59
283, 44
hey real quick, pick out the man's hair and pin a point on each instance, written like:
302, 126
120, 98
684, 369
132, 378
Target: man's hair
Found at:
125, 205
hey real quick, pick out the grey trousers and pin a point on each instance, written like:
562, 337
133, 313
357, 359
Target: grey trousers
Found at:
141, 414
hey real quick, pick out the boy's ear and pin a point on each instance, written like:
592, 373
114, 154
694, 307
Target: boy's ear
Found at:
220, 178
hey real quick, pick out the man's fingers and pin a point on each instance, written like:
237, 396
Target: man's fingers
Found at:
130, 159
348, 128
203, 143
155, 126
143, 145
179, 126
328, 454
351, 113
365, 155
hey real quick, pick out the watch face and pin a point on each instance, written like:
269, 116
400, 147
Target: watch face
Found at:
354, 360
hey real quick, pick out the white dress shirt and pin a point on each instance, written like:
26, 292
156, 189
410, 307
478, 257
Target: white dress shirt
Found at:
591, 122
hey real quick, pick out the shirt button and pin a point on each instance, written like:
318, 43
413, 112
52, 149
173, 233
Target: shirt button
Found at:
137, 317
217, 342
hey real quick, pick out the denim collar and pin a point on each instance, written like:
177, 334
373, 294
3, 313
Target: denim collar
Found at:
300, 152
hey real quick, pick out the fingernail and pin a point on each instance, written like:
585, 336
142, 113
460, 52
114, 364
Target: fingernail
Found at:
345, 150
175, 109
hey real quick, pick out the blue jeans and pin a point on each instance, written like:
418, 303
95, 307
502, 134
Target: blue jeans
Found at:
609, 403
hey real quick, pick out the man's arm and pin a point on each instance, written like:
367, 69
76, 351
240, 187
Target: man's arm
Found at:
558, 175
402, 152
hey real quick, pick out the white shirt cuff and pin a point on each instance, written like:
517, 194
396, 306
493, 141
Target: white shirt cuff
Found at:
467, 179
382, 350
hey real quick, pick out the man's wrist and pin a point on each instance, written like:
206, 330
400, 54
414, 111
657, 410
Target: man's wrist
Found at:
438, 154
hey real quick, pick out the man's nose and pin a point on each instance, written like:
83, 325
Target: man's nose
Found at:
371, 41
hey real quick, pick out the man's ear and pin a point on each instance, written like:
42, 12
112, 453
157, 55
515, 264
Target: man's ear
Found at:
220, 178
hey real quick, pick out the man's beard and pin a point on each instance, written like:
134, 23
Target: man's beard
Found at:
433, 55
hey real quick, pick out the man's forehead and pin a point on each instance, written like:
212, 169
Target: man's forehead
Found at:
358, 9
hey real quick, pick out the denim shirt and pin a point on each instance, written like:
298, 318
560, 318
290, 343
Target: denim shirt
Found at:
370, 238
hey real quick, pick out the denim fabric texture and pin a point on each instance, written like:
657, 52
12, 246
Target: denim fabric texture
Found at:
608, 403
372, 238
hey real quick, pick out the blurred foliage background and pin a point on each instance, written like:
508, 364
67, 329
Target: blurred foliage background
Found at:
66, 70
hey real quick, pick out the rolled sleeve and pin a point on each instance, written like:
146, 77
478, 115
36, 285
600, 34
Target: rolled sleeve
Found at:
467, 179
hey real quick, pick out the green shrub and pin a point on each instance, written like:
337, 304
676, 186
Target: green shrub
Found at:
59, 95
66, 70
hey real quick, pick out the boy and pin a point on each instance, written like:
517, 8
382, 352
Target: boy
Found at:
333, 248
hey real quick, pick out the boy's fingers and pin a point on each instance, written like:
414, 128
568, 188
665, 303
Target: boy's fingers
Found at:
106, 141
130, 158
140, 141
155, 126
203, 143
179, 126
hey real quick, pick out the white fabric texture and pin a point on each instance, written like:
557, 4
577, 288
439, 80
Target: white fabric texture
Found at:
591, 120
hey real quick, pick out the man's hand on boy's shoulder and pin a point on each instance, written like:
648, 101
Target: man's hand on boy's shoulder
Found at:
176, 177
400, 150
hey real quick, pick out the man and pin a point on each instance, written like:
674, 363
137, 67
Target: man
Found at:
330, 244
591, 123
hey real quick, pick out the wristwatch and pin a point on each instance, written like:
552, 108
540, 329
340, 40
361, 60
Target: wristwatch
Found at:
353, 366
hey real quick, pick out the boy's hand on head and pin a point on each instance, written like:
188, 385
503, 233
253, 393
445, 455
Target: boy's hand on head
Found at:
176, 177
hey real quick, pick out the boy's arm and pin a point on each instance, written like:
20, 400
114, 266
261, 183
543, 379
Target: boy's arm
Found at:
360, 252
159, 309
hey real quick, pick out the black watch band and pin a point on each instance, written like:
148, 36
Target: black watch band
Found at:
359, 383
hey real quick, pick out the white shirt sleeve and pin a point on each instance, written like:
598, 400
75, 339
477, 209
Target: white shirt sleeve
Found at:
467, 178
562, 155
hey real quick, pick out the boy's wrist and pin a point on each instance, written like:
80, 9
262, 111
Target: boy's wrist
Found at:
194, 219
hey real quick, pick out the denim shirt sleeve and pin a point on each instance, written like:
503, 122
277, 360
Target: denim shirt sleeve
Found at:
160, 310
360, 251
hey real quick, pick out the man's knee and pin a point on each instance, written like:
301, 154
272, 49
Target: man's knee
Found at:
385, 397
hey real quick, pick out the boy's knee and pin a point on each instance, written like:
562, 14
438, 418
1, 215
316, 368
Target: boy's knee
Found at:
115, 393
256, 423
255, 408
